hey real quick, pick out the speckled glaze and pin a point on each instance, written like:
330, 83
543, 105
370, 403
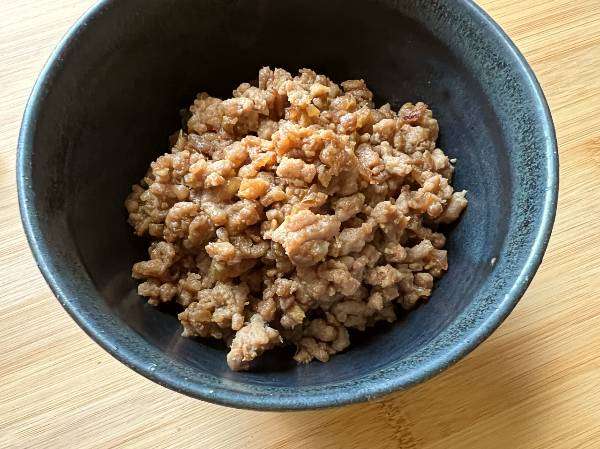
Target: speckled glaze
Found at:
108, 98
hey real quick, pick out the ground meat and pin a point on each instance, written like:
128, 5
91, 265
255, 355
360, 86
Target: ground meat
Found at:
250, 341
223, 306
454, 208
320, 339
305, 236
162, 256
294, 211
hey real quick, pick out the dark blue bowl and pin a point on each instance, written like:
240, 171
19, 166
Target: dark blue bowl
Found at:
109, 96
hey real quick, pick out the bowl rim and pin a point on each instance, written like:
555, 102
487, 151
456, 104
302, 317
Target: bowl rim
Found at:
223, 396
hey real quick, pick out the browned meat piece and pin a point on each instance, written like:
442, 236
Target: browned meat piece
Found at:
320, 339
250, 341
305, 236
223, 306
456, 205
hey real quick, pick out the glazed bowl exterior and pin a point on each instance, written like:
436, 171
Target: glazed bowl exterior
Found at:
109, 97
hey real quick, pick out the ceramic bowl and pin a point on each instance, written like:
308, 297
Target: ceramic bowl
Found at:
109, 97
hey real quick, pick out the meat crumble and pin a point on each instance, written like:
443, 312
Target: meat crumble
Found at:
293, 212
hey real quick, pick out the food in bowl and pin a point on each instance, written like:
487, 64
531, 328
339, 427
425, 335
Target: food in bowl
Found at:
293, 212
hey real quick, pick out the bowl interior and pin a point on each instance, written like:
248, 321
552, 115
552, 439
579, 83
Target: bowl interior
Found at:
108, 105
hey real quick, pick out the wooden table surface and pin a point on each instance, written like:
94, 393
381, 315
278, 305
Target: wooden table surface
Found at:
534, 384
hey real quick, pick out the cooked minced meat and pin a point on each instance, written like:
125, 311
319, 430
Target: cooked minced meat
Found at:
292, 212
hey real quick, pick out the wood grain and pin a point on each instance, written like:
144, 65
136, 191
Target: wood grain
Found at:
534, 384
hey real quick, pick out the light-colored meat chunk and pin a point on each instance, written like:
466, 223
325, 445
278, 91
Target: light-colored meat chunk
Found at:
251, 341
305, 236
